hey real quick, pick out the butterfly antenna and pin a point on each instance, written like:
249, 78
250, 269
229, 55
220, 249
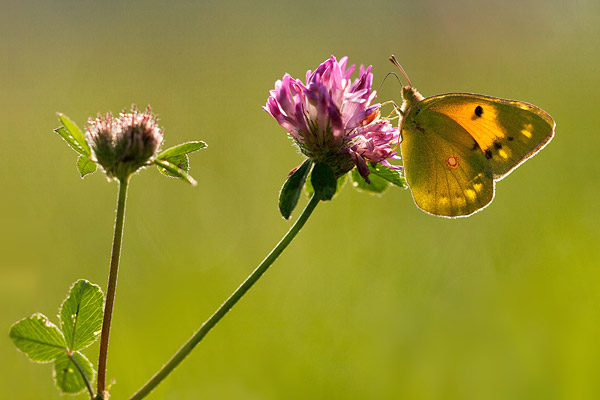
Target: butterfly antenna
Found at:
397, 64
388, 74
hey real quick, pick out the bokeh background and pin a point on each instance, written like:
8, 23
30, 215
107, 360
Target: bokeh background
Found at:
374, 299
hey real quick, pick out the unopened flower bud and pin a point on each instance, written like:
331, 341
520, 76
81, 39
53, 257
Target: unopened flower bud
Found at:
125, 144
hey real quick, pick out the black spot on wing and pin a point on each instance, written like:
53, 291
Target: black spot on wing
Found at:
488, 154
497, 145
479, 111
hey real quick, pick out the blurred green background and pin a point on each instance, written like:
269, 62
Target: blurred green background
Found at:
375, 299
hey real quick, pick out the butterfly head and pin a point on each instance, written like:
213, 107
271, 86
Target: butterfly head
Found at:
410, 95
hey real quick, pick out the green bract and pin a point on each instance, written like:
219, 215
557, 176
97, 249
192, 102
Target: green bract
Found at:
290, 192
323, 181
175, 162
73, 135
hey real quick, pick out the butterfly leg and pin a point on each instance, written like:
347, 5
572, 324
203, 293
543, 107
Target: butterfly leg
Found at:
396, 110
399, 115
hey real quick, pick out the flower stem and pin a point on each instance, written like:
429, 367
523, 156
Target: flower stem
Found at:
112, 287
188, 346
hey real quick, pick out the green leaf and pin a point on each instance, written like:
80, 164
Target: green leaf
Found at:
389, 174
323, 181
67, 374
308, 186
182, 162
178, 155
174, 171
341, 181
85, 165
181, 149
377, 185
39, 338
290, 191
81, 315
73, 135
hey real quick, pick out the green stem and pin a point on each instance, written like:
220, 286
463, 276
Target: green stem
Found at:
186, 349
112, 287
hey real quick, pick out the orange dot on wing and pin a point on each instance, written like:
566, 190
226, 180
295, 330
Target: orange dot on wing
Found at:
452, 162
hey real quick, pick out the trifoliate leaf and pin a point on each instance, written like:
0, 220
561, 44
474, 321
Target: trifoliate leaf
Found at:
323, 181
85, 165
81, 315
68, 370
39, 338
73, 135
290, 192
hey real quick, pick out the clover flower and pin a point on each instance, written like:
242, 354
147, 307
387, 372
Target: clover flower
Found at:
331, 117
125, 144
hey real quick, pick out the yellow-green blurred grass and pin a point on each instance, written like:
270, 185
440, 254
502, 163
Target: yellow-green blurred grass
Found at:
374, 299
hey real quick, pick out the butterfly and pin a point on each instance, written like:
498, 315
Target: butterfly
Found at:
455, 146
